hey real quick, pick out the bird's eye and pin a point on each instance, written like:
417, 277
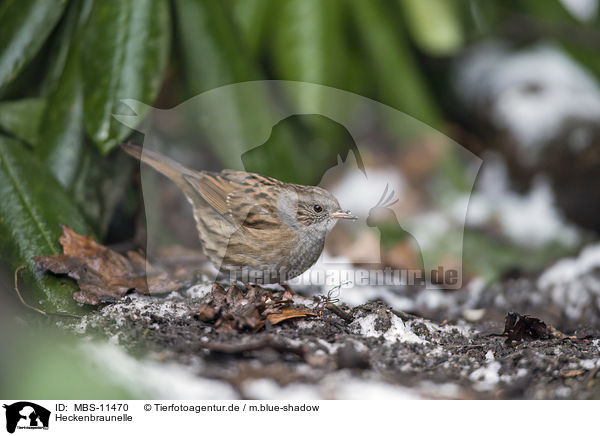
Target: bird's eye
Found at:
318, 208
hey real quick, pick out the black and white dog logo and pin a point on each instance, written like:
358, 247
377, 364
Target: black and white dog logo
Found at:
26, 415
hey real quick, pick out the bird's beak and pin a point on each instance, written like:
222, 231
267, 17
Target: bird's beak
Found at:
345, 215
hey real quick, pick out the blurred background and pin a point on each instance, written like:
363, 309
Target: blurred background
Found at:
514, 82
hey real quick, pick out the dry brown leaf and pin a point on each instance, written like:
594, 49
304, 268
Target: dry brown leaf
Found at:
247, 310
287, 313
207, 312
572, 372
103, 275
519, 327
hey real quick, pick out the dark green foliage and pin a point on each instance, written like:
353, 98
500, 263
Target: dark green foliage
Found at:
32, 208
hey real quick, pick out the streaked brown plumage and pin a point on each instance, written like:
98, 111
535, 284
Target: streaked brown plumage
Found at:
253, 228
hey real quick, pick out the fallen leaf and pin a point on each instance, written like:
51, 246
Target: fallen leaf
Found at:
287, 313
519, 327
206, 312
248, 309
572, 372
103, 275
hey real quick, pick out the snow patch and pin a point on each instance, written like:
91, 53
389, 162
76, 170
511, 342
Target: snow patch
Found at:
398, 331
589, 363
486, 377
136, 305
567, 270
354, 188
461, 328
570, 284
198, 291
531, 217
583, 10
532, 92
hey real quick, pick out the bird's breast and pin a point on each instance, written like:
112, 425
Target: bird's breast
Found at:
306, 252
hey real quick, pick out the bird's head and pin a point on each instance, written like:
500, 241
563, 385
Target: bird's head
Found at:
315, 208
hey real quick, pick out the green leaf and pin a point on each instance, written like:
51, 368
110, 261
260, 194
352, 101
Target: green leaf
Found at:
212, 52
32, 205
401, 83
94, 183
63, 42
434, 25
24, 26
22, 118
213, 55
61, 136
309, 46
254, 19
125, 50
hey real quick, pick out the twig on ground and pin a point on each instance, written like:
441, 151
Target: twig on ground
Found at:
339, 312
403, 315
35, 309
328, 302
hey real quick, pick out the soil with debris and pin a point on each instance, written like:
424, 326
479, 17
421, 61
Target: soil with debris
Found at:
368, 351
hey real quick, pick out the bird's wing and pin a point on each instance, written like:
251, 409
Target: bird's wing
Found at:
213, 189
238, 196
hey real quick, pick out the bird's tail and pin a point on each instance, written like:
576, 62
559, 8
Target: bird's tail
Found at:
161, 163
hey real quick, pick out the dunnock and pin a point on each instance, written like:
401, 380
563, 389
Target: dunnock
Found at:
253, 228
